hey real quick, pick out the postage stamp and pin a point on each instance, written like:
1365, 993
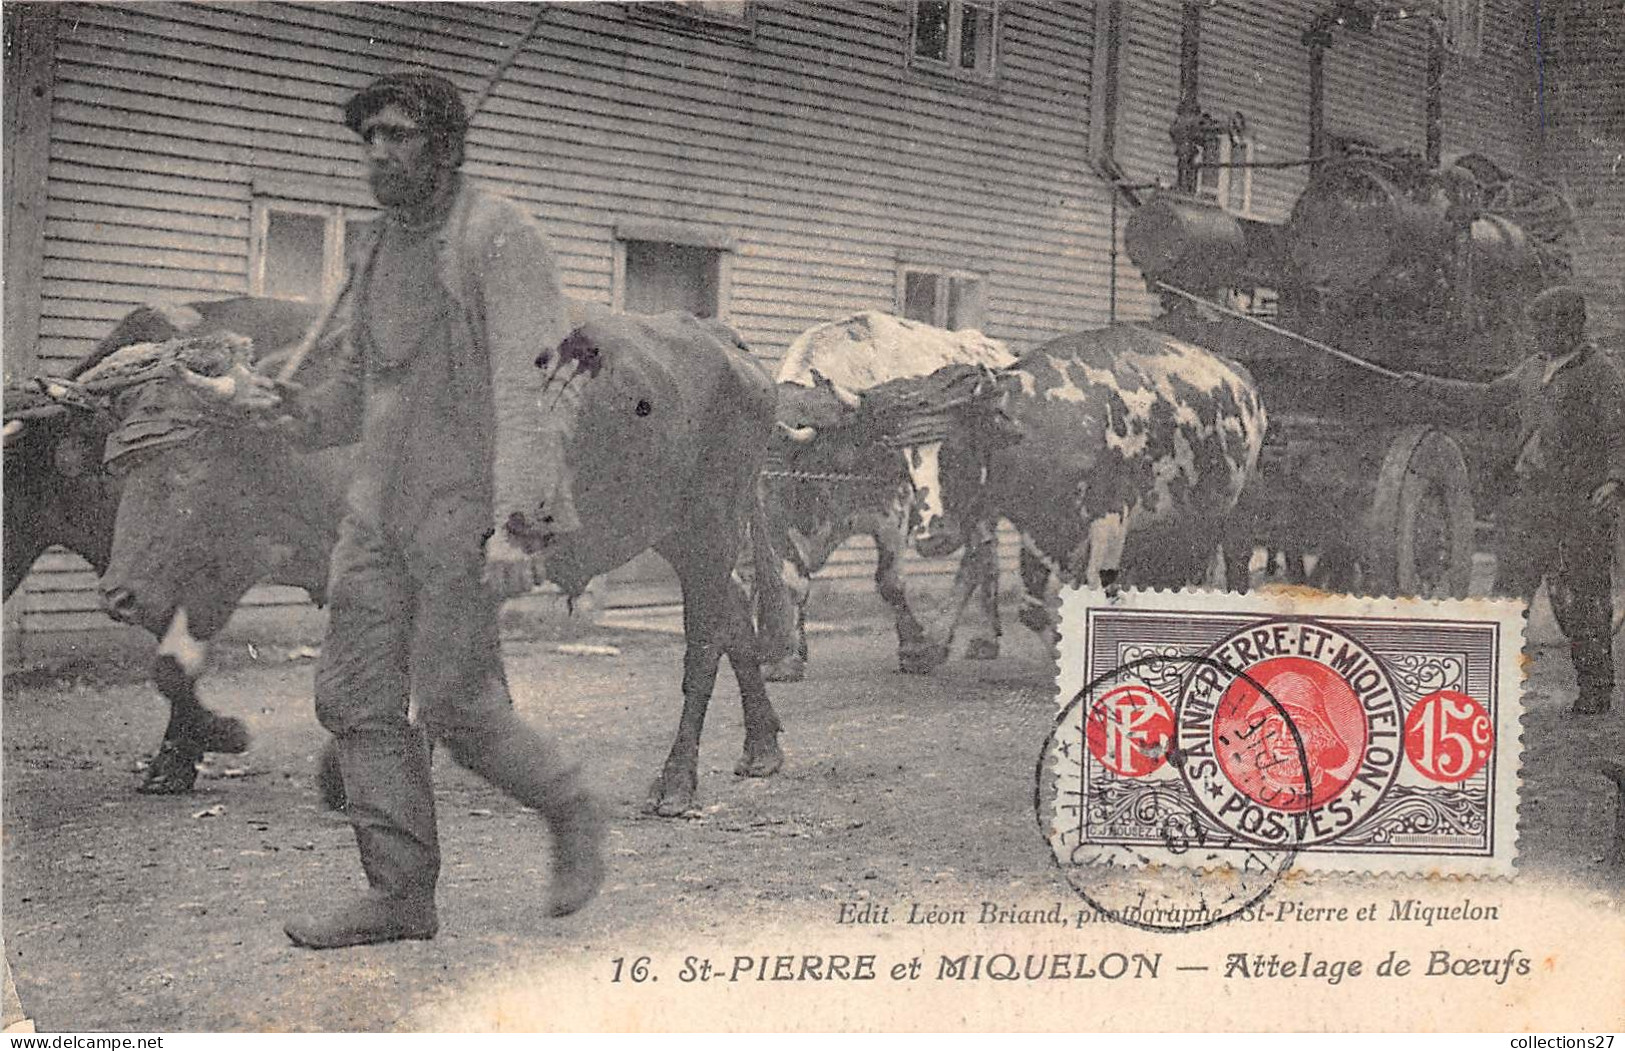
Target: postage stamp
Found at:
1274, 731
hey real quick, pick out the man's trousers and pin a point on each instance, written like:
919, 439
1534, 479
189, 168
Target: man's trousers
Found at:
409, 618
1571, 545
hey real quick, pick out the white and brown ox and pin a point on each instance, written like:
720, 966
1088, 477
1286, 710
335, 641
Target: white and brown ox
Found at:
676, 420
1133, 451
58, 494
824, 492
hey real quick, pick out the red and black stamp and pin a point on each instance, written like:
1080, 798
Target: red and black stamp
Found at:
1250, 732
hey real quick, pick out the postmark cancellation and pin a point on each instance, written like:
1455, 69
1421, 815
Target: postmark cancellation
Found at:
1260, 733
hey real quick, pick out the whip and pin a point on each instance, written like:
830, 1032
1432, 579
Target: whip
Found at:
1324, 348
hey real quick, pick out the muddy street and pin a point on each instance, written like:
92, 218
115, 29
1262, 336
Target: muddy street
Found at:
129, 912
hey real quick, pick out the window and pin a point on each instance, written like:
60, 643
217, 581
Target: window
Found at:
661, 277
1464, 27
955, 36
1222, 175
717, 10
733, 20
950, 299
297, 249
662, 266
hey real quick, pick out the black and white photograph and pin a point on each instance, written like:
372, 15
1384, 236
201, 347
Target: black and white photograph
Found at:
772, 515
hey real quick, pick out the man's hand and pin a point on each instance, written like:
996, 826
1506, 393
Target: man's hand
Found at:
1607, 495
283, 417
509, 571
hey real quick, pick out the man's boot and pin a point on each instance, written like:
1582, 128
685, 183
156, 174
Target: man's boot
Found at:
518, 760
577, 824
1594, 702
1593, 657
390, 800
1596, 696
1596, 687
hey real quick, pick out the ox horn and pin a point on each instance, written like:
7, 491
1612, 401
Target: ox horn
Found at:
219, 389
241, 389
64, 395
799, 435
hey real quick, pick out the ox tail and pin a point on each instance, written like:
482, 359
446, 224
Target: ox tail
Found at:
775, 613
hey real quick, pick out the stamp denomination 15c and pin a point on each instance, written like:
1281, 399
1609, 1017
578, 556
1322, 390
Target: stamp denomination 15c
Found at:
1259, 732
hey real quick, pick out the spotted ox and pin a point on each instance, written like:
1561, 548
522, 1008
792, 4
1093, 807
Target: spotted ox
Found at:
1134, 451
676, 420
58, 494
829, 483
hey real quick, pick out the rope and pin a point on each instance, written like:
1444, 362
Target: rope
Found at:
815, 476
507, 63
1324, 348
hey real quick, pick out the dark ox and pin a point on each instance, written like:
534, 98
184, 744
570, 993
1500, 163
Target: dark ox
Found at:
829, 482
58, 494
1134, 451
676, 420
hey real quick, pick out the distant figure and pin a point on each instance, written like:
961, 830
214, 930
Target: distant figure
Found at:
431, 363
1569, 403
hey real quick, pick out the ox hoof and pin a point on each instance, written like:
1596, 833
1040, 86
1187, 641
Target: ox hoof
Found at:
222, 733
760, 762
172, 772
672, 795
1035, 619
791, 669
330, 779
982, 650
922, 660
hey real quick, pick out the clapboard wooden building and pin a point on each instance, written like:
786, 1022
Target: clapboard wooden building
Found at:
774, 163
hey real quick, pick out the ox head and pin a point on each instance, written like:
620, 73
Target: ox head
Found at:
914, 428
206, 506
56, 490
822, 472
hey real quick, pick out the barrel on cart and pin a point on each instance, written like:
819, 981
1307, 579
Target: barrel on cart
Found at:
1384, 267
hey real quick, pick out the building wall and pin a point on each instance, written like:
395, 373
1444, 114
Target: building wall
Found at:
1253, 62
828, 159
809, 146
1582, 136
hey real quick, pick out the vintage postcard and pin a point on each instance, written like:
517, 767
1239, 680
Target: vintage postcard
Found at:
964, 515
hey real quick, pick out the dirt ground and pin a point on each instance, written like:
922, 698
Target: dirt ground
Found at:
127, 912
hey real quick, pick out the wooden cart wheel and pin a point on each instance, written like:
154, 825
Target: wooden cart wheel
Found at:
1419, 533
1619, 578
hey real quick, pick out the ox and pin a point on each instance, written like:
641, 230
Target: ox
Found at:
57, 494
824, 492
1135, 449
676, 420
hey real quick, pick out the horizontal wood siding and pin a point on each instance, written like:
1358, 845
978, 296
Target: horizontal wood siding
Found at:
1148, 94
812, 145
1582, 115
1489, 100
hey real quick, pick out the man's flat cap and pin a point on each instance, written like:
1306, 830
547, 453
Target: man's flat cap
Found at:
432, 99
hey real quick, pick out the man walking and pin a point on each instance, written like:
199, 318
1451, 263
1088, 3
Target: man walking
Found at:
431, 361
1568, 401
